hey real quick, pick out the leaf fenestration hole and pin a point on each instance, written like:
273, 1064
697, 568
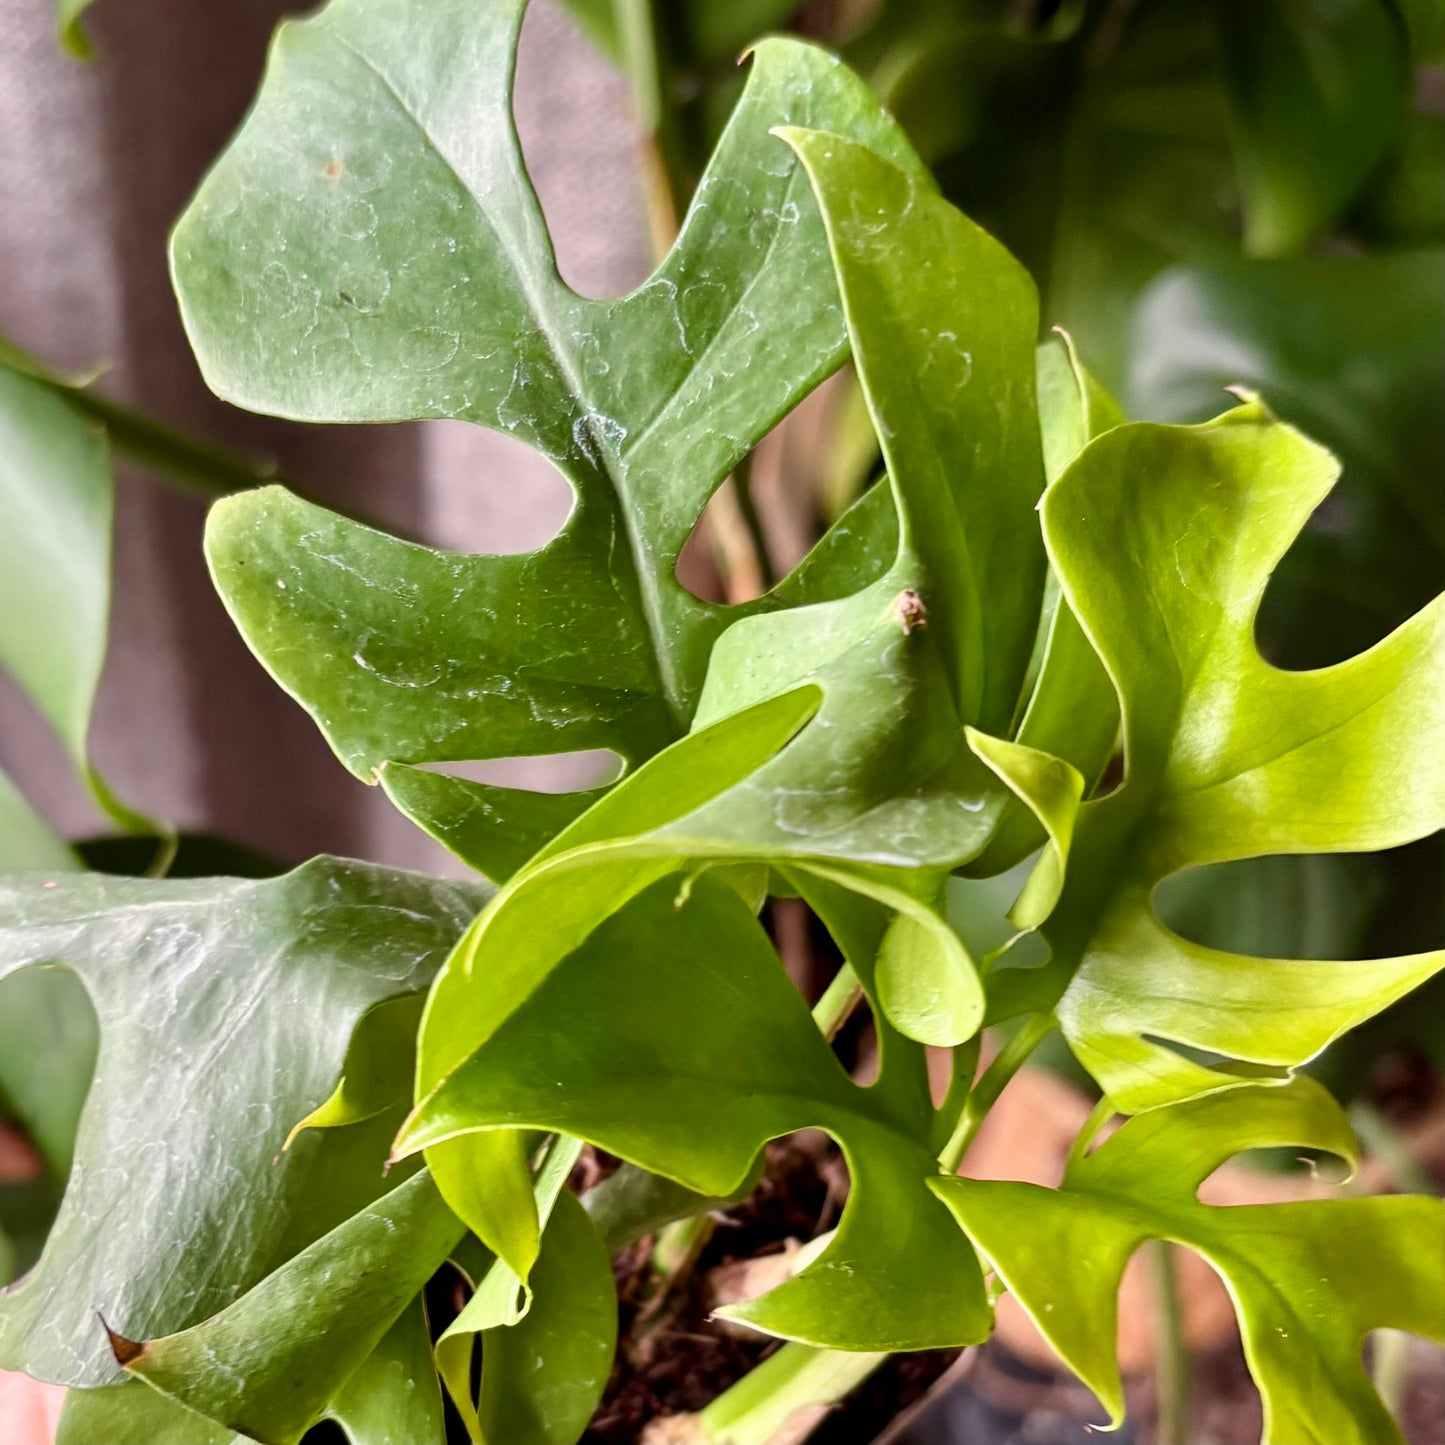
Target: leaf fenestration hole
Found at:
487, 492
1332, 597
545, 773
764, 519
579, 139
1311, 906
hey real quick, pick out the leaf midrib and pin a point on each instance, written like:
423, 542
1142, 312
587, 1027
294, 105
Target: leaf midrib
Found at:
581, 398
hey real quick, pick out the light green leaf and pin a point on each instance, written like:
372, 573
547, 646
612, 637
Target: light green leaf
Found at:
178, 1201
382, 148
56, 497
1164, 539
685, 1061
587, 874
270, 1365
72, 36
27, 841
1053, 790
500, 1297
1309, 1280
1347, 349
1072, 711
1317, 91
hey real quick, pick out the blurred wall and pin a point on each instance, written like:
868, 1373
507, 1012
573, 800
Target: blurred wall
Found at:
96, 161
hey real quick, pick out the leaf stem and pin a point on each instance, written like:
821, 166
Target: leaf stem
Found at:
790, 1391
194, 466
839, 1000
1171, 1351
965, 1072
990, 1085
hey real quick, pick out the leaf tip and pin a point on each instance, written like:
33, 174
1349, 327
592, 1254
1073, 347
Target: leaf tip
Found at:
126, 1351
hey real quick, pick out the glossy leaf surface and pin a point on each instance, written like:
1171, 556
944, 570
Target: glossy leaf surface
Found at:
1346, 348
1164, 539
1309, 1280
686, 1061
178, 1202
273, 1363
418, 280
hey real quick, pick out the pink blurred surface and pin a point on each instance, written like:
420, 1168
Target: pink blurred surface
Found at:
29, 1411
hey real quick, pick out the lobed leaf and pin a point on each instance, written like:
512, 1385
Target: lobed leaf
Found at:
684, 1049
288, 1352
417, 279
1309, 1280
1164, 539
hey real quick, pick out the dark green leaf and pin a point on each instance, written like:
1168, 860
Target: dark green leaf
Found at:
382, 149
225, 1011
1317, 90
271, 1364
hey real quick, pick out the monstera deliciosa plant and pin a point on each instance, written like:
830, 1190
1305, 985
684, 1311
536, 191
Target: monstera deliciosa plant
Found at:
1034, 639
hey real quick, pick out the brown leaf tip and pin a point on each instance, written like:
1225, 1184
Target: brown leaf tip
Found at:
909, 609
126, 1352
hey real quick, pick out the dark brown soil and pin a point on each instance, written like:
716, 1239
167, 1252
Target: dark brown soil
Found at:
673, 1359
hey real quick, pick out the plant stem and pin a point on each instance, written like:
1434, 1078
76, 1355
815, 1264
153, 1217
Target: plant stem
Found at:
985, 1093
839, 1000
784, 1398
664, 170
1102, 1112
192, 465
965, 1071
1171, 1352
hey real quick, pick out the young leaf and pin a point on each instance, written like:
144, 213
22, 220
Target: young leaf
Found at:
1309, 1280
178, 1201
1164, 539
673, 1038
500, 1297
418, 280
1072, 711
